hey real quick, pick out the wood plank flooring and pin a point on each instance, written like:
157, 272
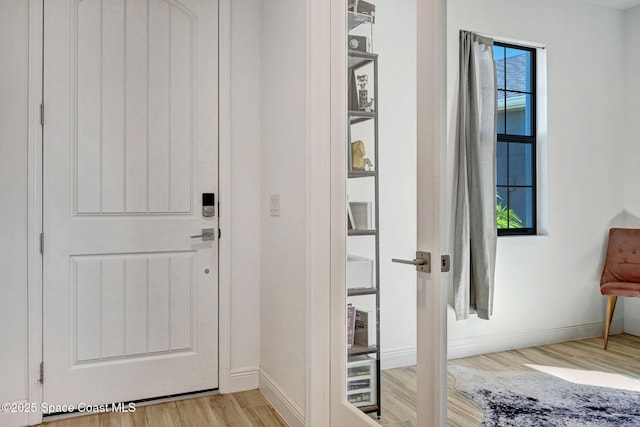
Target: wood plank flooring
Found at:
246, 409
249, 409
398, 385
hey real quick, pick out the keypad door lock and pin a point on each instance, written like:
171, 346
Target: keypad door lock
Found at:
208, 205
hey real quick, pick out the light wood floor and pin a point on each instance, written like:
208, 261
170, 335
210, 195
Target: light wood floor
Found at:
399, 385
249, 409
246, 409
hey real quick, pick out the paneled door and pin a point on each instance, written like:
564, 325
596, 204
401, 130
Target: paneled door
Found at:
130, 146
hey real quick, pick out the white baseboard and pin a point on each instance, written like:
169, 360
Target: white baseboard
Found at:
483, 344
406, 356
243, 379
397, 357
632, 326
281, 402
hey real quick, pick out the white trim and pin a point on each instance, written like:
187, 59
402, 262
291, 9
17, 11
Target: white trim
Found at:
482, 344
515, 42
281, 402
224, 196
631, 326
318, 210
406, 356
398, 357
34, 220
542, 164
244, 379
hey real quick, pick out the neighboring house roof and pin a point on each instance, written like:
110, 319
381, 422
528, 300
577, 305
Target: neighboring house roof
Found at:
516, 73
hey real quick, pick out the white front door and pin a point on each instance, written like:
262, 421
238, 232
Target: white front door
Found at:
409, 167
130, 146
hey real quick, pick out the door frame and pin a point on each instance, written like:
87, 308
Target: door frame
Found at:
328, 317
35, 207
35, 283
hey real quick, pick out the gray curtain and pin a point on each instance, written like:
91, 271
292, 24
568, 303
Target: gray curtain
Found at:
474, 211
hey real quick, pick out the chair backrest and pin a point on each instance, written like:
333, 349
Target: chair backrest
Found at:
622, 263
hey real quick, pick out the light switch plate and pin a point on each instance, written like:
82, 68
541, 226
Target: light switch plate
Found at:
275, 205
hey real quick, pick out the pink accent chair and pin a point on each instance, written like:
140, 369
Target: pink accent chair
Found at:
621, 273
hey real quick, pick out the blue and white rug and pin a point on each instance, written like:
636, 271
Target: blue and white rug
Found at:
539, 399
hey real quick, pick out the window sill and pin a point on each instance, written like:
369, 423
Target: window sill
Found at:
524, 236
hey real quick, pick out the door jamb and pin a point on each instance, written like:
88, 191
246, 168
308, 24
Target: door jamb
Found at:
318, 212
34, 208
224, 198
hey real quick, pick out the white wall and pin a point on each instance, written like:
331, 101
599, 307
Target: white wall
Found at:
547, 286
283, 172
245, 193
631, 145
13, 215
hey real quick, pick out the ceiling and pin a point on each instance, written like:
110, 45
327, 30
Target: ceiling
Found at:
616, 4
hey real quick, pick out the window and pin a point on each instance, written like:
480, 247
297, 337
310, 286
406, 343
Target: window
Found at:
516, 149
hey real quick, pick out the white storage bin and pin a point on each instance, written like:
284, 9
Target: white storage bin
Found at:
359, 272
361, 381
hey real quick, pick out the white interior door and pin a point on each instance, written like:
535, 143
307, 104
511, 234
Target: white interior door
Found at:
418, 163
130, 146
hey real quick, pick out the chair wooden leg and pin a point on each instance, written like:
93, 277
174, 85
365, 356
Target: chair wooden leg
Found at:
611, 306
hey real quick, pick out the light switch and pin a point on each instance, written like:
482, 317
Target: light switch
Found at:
275, 205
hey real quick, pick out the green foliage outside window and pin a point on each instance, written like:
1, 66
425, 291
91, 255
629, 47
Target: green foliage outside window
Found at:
506, 218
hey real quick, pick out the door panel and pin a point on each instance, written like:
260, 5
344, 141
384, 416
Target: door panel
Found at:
409, 108
130, 299
153, 124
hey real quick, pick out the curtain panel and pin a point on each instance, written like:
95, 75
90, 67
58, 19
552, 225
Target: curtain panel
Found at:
474, 210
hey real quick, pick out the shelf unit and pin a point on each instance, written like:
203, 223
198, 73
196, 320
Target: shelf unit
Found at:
364, 390
362, 384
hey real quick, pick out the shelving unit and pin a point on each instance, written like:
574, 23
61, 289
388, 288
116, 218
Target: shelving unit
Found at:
362, 384
363, 366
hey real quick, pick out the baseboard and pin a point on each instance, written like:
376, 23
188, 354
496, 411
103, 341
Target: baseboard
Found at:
483, 344
281, 402
632, 326
243, 379
397, 357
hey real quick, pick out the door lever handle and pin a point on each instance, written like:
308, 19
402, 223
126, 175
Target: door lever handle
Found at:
418, 261
422, 261
207, 234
